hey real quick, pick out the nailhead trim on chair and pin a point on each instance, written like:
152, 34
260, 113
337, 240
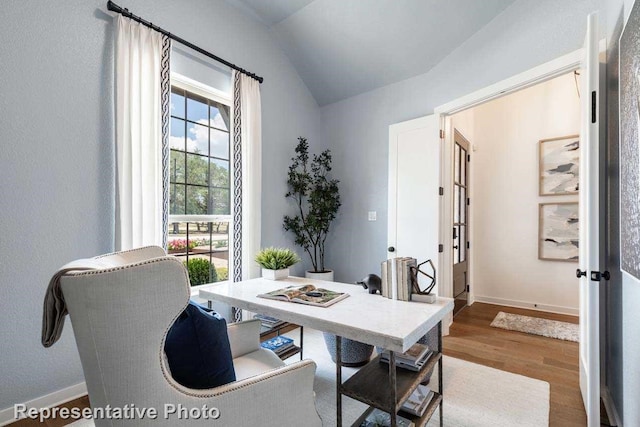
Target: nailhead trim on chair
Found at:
222, 390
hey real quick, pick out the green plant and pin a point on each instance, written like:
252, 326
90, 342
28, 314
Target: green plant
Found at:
223, 273
276, 258
317, 200
221, 244
201, 271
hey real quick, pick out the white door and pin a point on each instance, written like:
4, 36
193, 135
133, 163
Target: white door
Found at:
414, 183
589, 263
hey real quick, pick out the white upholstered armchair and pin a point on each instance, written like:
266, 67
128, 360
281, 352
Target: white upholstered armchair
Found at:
121, 311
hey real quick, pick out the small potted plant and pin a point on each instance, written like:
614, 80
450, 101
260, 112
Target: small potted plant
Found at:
275, 262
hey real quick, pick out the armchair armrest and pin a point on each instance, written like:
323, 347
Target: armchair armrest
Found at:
282, 396
244, 337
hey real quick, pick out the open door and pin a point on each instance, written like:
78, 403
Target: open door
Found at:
589, 271
414, 182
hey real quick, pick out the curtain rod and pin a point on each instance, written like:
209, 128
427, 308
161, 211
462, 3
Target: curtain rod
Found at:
125, 12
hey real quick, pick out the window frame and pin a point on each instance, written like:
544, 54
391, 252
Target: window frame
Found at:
187, 84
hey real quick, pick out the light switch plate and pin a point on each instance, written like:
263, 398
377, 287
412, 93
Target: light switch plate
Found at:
372, 215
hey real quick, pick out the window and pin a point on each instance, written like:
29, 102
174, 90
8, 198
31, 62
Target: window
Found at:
200, 180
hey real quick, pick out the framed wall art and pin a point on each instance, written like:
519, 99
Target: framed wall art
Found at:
559, 165
558, 234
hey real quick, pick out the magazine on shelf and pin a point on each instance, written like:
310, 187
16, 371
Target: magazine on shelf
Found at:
417, 403
269, 322
415, 353
378, 418
413, 359
278, 344
307, 294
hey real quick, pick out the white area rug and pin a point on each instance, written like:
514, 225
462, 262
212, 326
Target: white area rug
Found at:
537, 326
474, 395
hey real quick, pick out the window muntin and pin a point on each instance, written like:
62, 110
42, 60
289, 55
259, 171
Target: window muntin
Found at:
200, 184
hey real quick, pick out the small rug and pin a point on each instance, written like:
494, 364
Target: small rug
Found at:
537, 326
474, 395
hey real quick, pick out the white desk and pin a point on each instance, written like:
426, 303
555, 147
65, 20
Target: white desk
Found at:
371, 319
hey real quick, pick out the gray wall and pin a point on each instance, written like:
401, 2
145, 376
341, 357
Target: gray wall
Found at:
57, 161
623, 291
526, 34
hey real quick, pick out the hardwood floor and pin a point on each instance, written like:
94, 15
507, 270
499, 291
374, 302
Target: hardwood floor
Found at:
547, 359
81, 402
472, 339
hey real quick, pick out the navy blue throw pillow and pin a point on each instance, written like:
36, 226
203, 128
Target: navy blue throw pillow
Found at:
198, 349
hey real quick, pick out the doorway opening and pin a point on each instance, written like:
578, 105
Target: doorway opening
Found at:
515, 198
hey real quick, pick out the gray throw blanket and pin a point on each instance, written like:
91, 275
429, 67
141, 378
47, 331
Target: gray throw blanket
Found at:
55, 308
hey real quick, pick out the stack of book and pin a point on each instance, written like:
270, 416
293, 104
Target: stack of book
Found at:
279, 345
269, 322
398, 269
417, 403
413, 359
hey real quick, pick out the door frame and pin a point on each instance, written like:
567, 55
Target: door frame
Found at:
541, 73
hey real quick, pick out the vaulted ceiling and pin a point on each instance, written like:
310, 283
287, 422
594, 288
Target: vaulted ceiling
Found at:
342, 48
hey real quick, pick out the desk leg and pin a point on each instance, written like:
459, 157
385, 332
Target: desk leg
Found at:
392, 387
440, 373
338, 381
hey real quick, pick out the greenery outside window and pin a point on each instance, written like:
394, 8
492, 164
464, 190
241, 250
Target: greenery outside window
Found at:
200, 191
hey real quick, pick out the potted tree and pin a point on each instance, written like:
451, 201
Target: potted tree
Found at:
317, 201
275, 262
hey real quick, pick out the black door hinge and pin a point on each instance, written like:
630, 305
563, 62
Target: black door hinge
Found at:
440, 248
467, 288
441, 191
593, 106
468, 157
468, 201
468, 245
596, 276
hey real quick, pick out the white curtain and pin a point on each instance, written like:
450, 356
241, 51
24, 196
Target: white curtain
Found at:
142, 94
247, 175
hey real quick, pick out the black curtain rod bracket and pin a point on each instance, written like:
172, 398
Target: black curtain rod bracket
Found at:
125, 12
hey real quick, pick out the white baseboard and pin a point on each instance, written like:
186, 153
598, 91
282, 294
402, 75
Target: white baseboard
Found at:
48, 401
528, 305
612, 412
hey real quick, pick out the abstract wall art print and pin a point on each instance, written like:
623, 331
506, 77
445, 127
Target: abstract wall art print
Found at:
558, 233
629, 109
559, 165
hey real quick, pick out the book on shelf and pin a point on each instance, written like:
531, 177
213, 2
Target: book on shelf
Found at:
417, 403
278, 345
268, 321
307, 294
413, 359
378, 418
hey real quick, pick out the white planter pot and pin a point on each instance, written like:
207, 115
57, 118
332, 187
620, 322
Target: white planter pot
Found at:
326, 275
275, 274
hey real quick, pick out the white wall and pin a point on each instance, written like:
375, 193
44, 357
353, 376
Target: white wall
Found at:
57, 159
504, 195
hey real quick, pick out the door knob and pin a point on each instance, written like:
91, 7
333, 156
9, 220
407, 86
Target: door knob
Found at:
391, 249
580, 273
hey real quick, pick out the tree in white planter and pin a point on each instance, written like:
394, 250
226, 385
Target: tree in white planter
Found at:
317, 201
